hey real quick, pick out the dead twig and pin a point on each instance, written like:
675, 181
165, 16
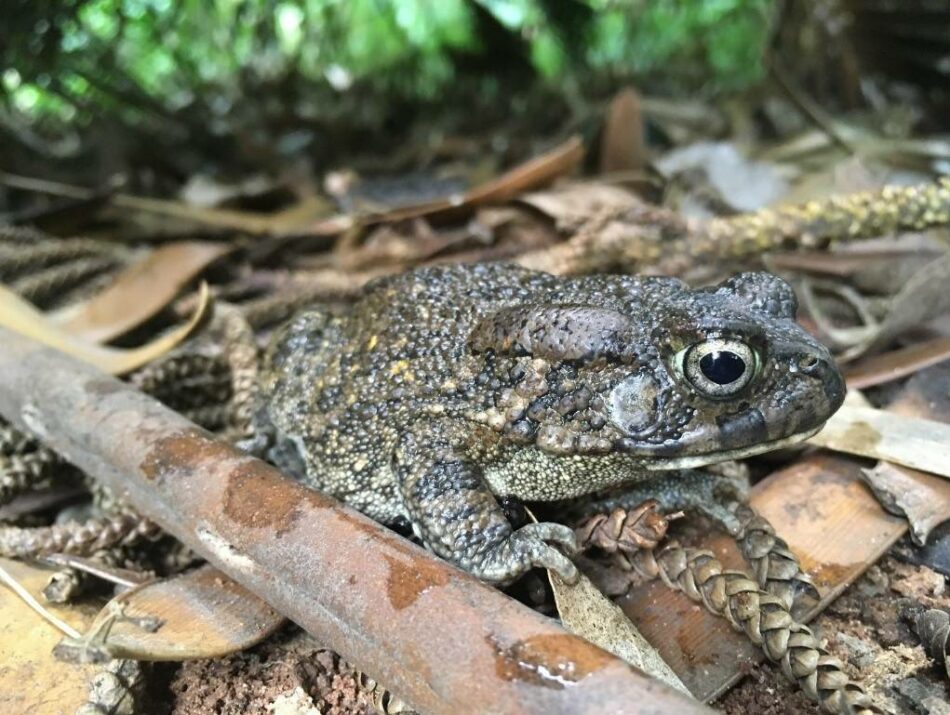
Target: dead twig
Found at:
656, 239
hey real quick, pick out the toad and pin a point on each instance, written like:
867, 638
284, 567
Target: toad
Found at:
444, 390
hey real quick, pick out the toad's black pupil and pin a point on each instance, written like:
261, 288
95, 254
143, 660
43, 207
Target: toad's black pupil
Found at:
722, 366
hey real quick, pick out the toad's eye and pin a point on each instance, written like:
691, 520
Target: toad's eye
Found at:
719, 368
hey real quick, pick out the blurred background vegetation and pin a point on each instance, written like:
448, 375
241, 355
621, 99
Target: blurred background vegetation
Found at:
233, 76
107, 86
70, 60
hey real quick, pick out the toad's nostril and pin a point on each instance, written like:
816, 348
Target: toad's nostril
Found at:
811, 364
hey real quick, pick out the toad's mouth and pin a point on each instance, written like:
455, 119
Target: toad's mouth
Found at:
700, 460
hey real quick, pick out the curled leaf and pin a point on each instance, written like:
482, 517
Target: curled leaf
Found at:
922, 298
199, 614
898, 363
21, 317
623, 140
923, 500
139, 292
534, 173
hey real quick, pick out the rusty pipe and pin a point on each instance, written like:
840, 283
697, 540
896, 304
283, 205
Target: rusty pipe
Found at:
438, 637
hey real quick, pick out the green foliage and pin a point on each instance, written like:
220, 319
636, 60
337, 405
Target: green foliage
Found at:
722, 41
147, 59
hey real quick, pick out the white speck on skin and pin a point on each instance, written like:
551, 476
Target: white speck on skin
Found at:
30, 414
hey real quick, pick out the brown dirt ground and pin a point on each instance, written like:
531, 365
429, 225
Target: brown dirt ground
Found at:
249, 683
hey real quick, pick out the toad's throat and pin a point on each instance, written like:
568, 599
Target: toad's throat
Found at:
532, 474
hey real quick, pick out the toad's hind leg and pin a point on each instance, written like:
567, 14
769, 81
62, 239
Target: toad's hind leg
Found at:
456, 515
722, 499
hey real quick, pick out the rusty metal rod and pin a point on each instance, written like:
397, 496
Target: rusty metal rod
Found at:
436, 636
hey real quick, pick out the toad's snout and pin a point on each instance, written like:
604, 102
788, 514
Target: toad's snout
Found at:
823, 369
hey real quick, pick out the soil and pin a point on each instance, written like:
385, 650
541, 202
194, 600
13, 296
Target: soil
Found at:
290, 674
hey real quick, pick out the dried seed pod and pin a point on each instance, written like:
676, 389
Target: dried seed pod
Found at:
82, 538
186, 379
48, 287
933, 627
764, 618
627, 530
115, 689
24, 259
78, 573
384, 702
215, 417
636, 237
13, 441
242, 356
775, 567
65, 585
20, 473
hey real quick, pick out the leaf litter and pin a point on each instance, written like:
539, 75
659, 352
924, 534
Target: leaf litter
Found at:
526, 215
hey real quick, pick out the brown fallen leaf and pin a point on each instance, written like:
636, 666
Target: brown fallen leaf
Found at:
532, 174
199, 614
846, 264
880, 434
253, 223
139, 292
572, 204
898, 363
20, 316
622, 143
921, 499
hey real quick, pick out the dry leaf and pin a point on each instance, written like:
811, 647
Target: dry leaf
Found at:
532, 174
622, 143
879, 434
572, 204
921, 499
20, 316
588, 613
139, 292
896, 364
744, 184
923, 298
199, 614
248, 222
854, 264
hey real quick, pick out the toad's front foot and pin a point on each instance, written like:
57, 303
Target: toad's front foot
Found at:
541, 545
457, 516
